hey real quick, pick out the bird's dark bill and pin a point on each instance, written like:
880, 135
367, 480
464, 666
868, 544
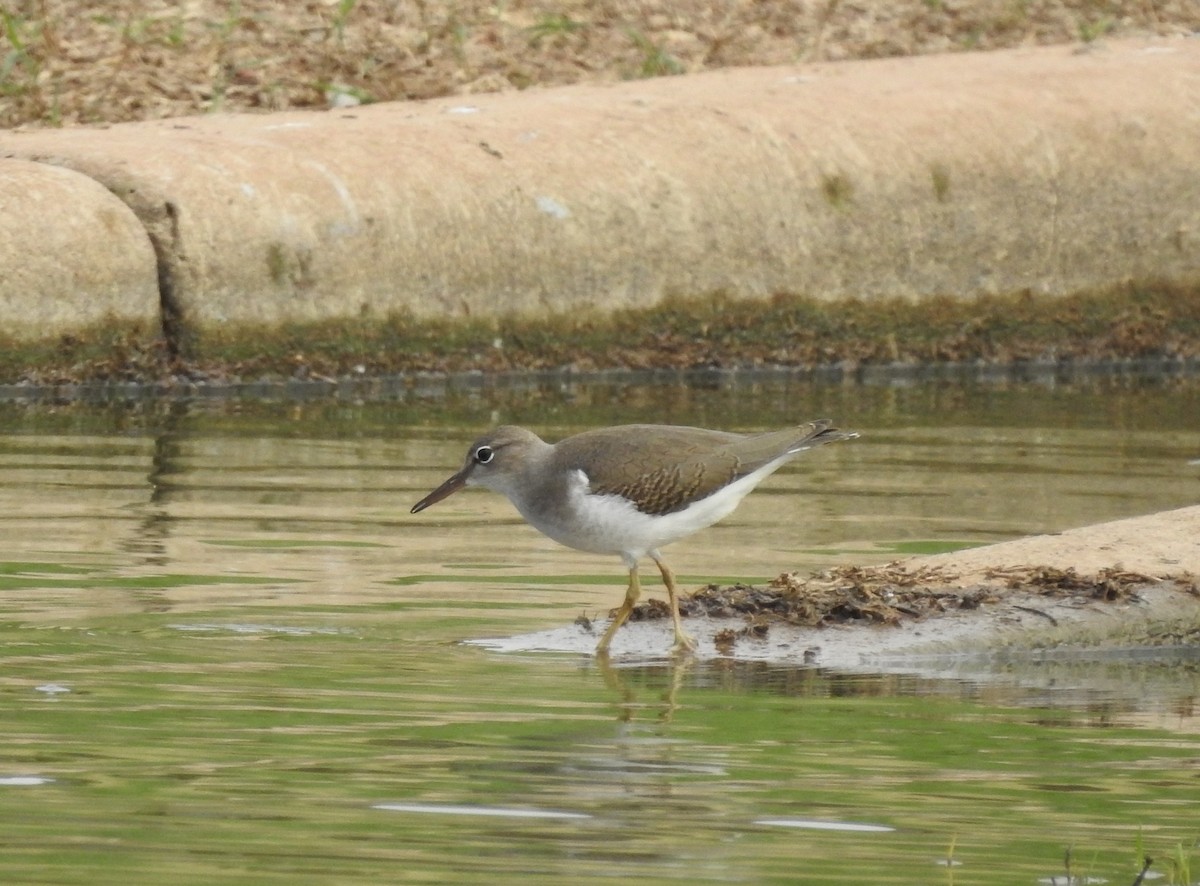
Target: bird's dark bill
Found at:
452, 485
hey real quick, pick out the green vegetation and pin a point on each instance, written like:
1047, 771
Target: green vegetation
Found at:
21, 66
1179, 863
654, 59
341, 15
553, 27
1092, 30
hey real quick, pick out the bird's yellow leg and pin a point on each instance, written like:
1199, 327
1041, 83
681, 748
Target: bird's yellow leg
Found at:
631, 598
683, 641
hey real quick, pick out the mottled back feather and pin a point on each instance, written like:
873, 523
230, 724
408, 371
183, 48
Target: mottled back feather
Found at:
703, 460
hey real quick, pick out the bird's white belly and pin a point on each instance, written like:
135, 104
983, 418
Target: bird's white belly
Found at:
610, 524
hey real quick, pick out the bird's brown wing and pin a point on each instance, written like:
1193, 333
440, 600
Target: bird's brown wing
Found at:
701, 461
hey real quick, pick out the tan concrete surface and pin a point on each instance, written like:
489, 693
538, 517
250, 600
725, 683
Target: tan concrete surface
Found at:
71, 255
1049, 169
1163, 545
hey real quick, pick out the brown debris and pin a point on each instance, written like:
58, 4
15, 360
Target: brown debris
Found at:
1108, 585
891, 594
846, 595
727, 638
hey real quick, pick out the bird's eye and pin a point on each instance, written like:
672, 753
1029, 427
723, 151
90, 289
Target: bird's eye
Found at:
484, 454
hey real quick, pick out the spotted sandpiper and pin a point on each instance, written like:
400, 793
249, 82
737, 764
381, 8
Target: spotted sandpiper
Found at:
629, 490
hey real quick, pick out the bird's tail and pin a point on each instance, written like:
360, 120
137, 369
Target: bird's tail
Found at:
820, 432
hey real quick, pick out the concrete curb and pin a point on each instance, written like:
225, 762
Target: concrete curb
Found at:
72, 254
1161, 545
1044, 169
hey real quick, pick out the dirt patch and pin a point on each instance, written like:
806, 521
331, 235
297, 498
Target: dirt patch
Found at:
104, 61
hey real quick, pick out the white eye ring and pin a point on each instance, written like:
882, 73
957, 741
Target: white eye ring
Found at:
484, 454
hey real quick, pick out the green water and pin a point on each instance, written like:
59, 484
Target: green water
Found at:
229, 654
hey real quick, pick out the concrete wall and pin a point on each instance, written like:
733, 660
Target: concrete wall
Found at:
71, 255
1049, 169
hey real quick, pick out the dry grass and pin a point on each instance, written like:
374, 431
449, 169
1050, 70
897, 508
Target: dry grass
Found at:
67, 62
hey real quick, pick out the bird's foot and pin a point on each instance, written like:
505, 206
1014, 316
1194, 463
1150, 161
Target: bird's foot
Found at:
685, 644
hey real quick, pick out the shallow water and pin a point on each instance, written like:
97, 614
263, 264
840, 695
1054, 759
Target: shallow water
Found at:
231, 655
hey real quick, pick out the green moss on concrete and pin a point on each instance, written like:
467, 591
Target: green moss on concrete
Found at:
111, 350
787, 330
716, 330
